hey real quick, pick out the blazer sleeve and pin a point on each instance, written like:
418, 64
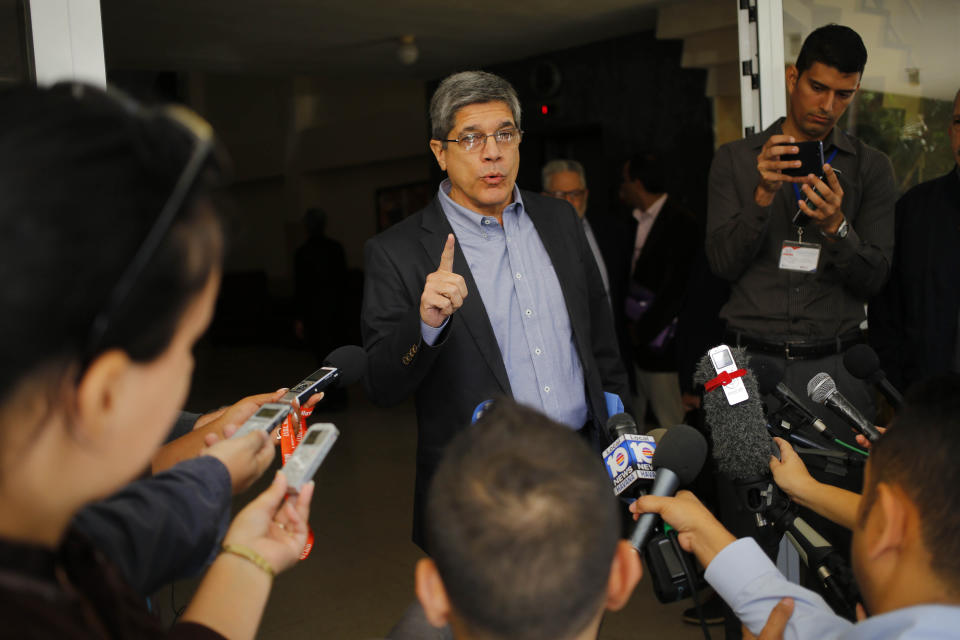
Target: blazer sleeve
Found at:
398, 357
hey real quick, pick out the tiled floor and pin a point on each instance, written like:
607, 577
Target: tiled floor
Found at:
359, 578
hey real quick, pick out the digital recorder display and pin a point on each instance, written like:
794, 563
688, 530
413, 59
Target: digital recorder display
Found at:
722, 359
312, 437
267, 412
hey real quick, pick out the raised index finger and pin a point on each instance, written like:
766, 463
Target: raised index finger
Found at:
446, 258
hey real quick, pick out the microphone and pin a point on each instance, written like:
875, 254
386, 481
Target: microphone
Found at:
629, 458
741, 444
350, 362
863, 363
677, 460
481, 409
823, 390
770, 382
621, 424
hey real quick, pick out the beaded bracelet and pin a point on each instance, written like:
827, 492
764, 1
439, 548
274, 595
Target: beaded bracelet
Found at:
251, 555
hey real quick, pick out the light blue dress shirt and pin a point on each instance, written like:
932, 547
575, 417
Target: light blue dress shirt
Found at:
744, 577
523, 299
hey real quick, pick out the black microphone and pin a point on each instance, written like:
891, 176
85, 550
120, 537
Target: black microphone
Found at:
350, 362
741, 444
863, 362
621, 424
823, 390
770, 382
678, 460
629, 457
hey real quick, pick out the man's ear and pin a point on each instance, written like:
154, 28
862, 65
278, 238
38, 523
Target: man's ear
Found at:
98, 393
792, 75
887, 521
625, 573
431, 593
436, 146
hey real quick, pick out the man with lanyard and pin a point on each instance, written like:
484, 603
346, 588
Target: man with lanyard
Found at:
798, 291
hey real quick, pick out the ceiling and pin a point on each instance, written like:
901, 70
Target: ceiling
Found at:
354, 37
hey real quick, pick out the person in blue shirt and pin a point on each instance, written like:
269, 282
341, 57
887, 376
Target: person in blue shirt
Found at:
906, 536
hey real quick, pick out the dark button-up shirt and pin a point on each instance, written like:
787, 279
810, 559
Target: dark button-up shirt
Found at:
744, 241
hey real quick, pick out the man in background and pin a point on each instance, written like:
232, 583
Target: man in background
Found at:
664, 243
915, 321
565, 179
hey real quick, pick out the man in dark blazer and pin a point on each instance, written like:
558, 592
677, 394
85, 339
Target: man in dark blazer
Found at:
660, 249
489, 291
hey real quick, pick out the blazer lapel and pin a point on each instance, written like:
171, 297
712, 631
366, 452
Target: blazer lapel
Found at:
472, 313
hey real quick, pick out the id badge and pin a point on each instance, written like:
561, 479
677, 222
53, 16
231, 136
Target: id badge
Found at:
799, 256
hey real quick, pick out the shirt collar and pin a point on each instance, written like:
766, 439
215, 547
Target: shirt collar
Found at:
652, 211
467, 217
836, 138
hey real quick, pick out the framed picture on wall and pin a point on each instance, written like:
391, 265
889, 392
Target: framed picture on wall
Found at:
396, 203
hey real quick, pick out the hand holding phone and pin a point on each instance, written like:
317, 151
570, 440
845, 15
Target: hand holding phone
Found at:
771, 167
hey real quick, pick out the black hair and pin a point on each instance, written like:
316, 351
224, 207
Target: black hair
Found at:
84, 177
523, 526
918, 454
836, 46
649, 169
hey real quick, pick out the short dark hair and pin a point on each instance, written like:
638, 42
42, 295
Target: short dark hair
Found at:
918, 454
649, 169
84, 177
836, 46
523, 526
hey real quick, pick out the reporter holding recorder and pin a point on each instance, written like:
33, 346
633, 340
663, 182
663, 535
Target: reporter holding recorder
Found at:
906, 536
96, 340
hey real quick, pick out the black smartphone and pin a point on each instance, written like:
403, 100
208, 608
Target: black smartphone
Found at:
811, 157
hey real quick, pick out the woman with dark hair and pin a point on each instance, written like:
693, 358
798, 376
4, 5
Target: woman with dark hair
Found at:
110, 250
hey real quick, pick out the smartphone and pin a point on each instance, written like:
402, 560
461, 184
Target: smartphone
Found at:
267, 418
309, 455
722, 359
811, 157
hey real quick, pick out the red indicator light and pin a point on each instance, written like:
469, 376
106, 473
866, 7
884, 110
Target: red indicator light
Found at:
544, 109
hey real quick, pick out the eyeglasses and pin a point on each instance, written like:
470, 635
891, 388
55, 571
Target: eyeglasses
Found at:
576, 193
201, 133
476, 141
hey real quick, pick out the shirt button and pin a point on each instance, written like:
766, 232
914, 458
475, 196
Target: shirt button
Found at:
547, 388
538, 351
528, 312
796, 290
519, 275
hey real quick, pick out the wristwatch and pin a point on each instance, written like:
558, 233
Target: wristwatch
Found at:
841, 232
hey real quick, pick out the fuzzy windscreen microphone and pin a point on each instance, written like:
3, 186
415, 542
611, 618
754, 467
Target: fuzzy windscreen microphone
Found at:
741, 444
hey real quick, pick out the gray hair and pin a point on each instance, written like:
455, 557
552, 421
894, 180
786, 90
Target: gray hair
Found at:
463, 89
557, 166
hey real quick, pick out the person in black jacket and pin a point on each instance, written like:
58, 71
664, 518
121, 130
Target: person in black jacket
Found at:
915, 321
665, 243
